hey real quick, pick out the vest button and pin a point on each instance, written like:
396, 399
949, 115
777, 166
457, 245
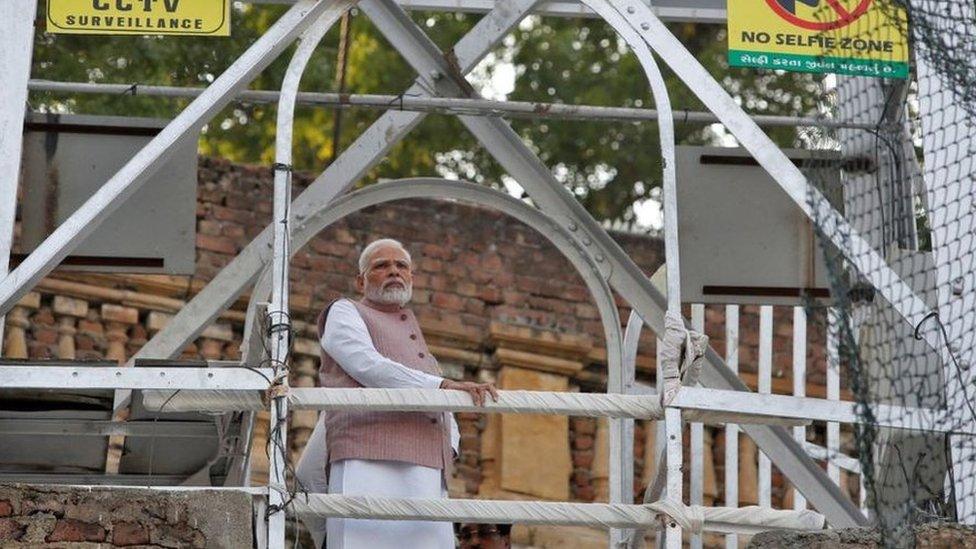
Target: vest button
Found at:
403, 317
421, 355
413, 336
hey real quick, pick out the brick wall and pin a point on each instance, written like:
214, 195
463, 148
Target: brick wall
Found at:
64, 517
475, 269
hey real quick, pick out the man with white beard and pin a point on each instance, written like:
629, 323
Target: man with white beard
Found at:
376, 342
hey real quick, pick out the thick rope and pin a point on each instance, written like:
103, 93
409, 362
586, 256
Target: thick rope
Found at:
693, 518
519, 402
681, 354
428, 400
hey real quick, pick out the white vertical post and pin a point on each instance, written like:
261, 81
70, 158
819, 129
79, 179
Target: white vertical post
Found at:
799, 384
279, 340
16, 46
277, 441
697, 433
732, 430
765, 386
833, 390
621, 466
661, 432
672, 428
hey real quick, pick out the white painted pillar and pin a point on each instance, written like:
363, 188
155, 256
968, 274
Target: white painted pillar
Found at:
675, 480
765, 386
16, 46
697, 443
799, 384
732, 430
833, 390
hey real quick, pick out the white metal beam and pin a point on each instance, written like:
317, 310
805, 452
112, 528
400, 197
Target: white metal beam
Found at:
16, 45
443, 105
137, 171
38, 376
759, 405
698, 11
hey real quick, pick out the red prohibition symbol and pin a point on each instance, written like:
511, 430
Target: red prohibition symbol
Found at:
842, 16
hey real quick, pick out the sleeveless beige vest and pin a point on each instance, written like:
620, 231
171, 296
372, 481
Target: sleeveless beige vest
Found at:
414, 437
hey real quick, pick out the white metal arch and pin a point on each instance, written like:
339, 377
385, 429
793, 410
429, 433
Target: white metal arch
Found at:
305, 229
619, 378
278, 318
585, 265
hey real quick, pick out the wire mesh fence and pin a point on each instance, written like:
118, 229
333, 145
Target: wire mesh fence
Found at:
905, 178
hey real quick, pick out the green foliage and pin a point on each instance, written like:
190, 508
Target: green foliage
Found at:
608, 166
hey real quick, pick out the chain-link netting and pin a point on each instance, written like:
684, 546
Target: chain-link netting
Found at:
904, 302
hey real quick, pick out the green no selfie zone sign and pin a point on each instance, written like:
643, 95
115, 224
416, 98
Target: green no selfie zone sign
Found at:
855, 37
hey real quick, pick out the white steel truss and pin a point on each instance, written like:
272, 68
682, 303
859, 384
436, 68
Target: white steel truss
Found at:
442, 75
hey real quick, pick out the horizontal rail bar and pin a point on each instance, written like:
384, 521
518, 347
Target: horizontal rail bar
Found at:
512, 402
749, 520
442, 105
718, 418
423, 400
99, 427
81, 377
550, 9
762, 406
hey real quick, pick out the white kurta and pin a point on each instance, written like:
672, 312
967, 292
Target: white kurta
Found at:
347, 340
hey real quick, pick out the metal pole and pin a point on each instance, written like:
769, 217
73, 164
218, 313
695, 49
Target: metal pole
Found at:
16, 45
731, 429
765, 386
128, 180
698, 11
662, 102
414, 102
673, 431
279, 322
799, 383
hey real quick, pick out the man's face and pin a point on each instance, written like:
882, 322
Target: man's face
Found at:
388, 278
483, 536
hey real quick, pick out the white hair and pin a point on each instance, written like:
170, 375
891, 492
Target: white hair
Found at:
375, 245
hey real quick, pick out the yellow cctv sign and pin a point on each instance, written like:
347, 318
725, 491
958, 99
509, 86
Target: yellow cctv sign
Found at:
858, 37
174, 17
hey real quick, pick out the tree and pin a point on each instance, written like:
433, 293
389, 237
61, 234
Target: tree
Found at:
608, 166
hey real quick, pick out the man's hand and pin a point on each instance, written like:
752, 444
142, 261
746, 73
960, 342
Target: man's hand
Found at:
476, 390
